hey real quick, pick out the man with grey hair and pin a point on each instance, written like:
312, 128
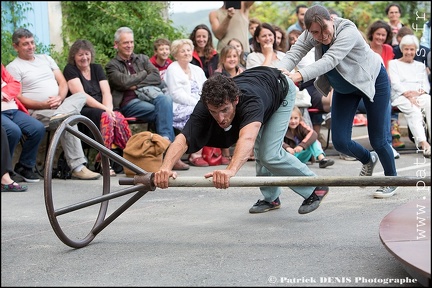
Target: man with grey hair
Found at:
44, 91
128, 72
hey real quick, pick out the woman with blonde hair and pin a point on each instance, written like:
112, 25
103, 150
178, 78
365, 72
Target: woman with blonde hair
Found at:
184, 81
229, 62
242, 54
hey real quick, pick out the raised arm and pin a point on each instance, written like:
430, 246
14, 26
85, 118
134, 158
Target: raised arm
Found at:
219, 28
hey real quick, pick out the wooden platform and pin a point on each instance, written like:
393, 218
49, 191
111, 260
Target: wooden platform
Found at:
406, 234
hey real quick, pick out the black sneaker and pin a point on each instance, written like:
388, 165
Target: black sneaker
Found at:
263, 206
321, 191
26, 173
367, 169
385, 191
312, 203
323, 163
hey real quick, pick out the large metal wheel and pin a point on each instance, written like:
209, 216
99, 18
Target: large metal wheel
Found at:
78, 230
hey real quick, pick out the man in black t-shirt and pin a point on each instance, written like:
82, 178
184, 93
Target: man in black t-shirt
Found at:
251, 110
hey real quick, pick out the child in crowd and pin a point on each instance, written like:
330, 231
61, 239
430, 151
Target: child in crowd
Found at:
301, 141
161, 57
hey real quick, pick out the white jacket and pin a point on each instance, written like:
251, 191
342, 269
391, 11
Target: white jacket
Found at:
179, 85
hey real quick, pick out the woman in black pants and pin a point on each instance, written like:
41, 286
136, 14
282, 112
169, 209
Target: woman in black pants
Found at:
7, 184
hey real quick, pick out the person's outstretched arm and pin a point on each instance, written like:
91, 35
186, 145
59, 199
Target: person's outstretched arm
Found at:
174, 153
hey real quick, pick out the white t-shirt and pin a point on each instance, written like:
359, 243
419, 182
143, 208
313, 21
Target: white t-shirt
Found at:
255, 59
37, 78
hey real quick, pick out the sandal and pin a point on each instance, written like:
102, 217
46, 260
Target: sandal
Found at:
98, 169
226, 160
13, 187
199, 162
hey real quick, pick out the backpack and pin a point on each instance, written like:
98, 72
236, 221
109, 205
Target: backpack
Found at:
62, 171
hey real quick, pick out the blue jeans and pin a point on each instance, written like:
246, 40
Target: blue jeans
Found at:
271, 158
17, 123
158, 110
343, 109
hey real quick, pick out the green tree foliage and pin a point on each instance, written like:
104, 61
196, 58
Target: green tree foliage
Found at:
12, 18
97, 22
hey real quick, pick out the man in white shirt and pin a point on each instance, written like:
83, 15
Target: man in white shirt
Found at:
44, 91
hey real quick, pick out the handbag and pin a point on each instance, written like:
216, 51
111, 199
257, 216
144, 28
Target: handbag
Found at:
212, 155
303, 98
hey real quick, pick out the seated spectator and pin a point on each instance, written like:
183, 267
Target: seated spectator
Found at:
184, 81
253, 24
85, 76
420, 53
204, 54
281, 39
7, 184
128, 72
229, 66
242, 54
161, 60
379, 34
292, 37
162, 52
229, 62
301, 141
265, 48
265, 52
44, 91
409, 86
17, 123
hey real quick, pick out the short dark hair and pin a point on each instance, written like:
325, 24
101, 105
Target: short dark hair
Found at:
300, 6
160, 42
391, 5
218, 89
20, 33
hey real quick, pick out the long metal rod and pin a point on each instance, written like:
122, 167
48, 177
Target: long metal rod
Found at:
421, 183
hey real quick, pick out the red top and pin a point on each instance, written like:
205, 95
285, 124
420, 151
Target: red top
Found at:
387, 54
11, 88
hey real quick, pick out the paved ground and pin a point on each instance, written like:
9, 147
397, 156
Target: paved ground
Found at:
206, 237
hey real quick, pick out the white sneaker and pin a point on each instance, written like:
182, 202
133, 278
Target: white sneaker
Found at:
395, 153
427, 152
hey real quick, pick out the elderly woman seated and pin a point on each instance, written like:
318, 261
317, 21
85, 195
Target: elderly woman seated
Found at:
409, 91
